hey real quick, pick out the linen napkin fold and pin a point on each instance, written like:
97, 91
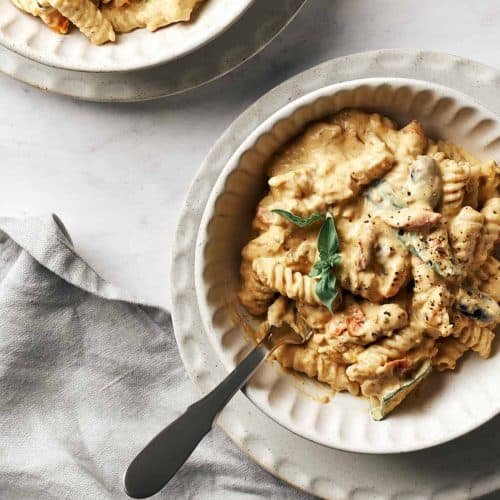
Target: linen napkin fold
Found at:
87, 377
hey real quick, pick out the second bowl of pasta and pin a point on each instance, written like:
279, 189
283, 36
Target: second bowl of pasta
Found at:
370, 210
113, 35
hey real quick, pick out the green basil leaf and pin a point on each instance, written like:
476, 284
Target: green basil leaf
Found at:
328, 239
326, 289
334, 260
315, 272
299, 221
319, 268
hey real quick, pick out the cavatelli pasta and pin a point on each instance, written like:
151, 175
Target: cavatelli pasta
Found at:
376, 356
359, 269
360, 322
455, 176
490, 232
430, 311
150, 14
307, 359
341, 181
87, 18
408, 361
431, 301
489, 278
424, 277
344, 181
464, 231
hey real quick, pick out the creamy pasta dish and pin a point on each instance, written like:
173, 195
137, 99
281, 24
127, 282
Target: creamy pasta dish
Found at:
100, 20
382, 241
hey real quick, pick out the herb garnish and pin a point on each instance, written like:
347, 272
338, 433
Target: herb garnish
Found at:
299, 221
329, 256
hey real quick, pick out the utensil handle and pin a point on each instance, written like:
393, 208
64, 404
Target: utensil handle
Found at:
163, 456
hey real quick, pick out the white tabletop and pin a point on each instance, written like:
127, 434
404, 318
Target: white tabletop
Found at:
117, 174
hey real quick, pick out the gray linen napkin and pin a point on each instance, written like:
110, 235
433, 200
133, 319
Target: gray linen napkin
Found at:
87, 378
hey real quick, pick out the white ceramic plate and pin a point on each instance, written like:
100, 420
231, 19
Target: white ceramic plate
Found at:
452, 404
465, 468
242, 40
139, 49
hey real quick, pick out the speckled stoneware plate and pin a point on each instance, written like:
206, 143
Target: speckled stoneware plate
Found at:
448, 406
28, 36
464, 468
246, 37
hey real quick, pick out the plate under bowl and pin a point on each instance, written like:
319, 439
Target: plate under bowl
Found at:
453, 403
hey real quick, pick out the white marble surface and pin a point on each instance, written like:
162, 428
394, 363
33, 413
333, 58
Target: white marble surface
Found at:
117, 174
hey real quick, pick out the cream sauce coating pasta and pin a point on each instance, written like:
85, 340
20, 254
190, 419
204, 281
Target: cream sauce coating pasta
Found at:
99, 21
417, 221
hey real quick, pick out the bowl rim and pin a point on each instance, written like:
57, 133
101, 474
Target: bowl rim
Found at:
194, 43
218, 188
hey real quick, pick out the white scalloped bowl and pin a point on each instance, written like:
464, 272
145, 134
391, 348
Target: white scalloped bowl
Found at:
140, 49
451, 404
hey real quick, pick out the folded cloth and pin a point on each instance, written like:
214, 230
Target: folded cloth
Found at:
87, 377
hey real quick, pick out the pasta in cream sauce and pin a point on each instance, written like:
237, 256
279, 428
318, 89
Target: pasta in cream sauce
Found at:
100, 20
417, 279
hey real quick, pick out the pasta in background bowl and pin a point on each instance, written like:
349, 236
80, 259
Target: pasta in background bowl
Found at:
445, 406
92, 45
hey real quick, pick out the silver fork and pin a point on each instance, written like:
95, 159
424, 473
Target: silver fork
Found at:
163, 456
